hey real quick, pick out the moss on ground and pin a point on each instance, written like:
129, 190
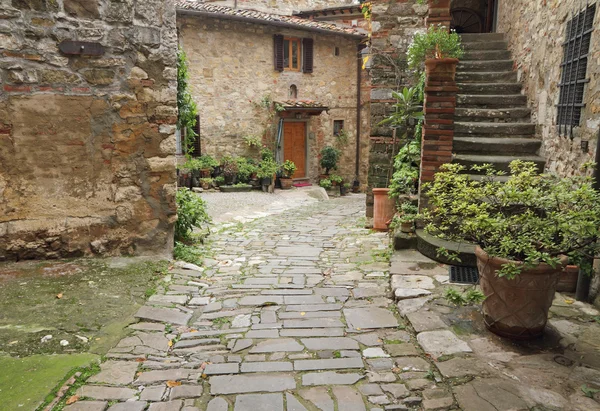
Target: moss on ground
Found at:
26, 382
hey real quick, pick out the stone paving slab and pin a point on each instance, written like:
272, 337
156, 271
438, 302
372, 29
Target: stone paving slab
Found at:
240, 384
370, 318
166, 315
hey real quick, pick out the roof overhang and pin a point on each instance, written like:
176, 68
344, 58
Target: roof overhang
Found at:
308, 107
200, 13
332, 13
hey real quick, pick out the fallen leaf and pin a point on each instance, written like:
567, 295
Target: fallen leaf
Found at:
204, 376
172, 384
302, 313
140, 359
569, 301
358, 328
138, 373
72, 400
59, 295
170, 343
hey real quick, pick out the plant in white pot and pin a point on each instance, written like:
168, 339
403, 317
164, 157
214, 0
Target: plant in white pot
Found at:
526, 230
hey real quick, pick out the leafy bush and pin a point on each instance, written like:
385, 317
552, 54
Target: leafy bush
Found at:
326, 183
470, 297
204, 162
246, 168
252, 141
289, 168
229, 166
188, 253
436, 43
408, 212
191, 212
267, 168
406, 170
329, 158
187, 109
336, 179
530, 219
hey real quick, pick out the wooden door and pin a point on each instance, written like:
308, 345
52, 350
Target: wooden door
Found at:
294, 146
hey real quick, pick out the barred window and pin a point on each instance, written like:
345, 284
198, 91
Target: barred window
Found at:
574, 69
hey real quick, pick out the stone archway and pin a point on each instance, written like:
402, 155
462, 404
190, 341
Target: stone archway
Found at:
472, 16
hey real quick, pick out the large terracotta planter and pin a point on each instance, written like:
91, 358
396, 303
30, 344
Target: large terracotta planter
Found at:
518, 308
384, 209
441, 69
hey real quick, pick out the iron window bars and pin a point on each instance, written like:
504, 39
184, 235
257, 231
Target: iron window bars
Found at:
574, 69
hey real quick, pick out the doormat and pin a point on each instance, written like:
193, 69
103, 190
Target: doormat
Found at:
302, 184
464, 275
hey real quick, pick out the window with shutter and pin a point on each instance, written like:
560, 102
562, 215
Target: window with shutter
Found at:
307, 55
197, 152
278, 52
574, 69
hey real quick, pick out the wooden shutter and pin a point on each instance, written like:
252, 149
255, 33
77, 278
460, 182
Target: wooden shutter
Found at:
197, 148
278, 52
307, 55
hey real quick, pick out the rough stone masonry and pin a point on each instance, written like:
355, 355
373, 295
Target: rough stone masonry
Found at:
87, 143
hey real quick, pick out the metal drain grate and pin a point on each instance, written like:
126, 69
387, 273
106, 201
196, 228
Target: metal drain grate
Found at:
464, 275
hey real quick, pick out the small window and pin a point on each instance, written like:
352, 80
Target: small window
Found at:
291, 54
574, 69
337, 51
293, 92
338, 126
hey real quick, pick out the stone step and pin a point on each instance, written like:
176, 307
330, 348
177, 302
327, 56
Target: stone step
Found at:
481, 37
485, 45
499, 162
428, 245
489, 101
484, 65
490, 88
486, 77
474, 55
504, 115
496, 145
478, 128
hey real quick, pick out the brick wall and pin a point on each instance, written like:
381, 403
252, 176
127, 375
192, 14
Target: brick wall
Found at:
86, 143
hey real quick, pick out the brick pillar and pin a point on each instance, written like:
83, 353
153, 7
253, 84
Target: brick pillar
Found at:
439, 13
438, 128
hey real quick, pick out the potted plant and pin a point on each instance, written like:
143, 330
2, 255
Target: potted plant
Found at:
206, 164
219, 181
328, 186
288, 168
230, 169
439, 49
206, 183
525, 230
408, 214
266, 170
246, 169
336, 180
329, 158
345, 188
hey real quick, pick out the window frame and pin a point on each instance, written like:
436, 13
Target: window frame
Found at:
290, 41
342, 123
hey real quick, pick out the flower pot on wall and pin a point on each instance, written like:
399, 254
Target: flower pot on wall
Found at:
384, 209
441, 69
517, 308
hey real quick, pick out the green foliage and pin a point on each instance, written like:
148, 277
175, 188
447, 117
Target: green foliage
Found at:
246, 168
188, 253
267, 168
336, 179
408, 212
436, 43
289, 168
229, 166
341, 138
252, 141
470, 297
204, 162
421, 2
219, 180
187, 109
329, 158
191, 212
409, 105
589, 392
406, 169
530, 219
267, 154
326, 183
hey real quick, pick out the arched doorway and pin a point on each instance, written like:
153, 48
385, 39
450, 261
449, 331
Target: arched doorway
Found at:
473, 16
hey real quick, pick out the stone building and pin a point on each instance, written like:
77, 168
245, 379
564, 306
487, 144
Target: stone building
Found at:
286, 7
87, 135
315, 85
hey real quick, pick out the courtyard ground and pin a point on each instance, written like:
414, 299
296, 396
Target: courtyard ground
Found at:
293, 310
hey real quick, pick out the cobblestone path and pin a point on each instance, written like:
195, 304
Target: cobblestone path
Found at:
290, 312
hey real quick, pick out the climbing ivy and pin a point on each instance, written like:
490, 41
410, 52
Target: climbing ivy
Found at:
188, 111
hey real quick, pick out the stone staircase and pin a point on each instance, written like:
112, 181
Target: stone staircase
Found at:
492, 121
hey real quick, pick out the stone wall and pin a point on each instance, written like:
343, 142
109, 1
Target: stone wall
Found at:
281, 6
535, 32
86, 143
394, 23
231, 69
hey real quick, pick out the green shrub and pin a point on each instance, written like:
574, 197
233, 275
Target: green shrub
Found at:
436, 43
336, 179
329, 158
326, 183
246, 168
191, 212
267, 168
289, 168
188, 253
186, 107
530, 219
406, 170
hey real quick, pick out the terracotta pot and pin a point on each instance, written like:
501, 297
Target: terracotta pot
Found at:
286, 183
441, 69
407, 227
205, 173
384, 209
518, 308
567, 281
